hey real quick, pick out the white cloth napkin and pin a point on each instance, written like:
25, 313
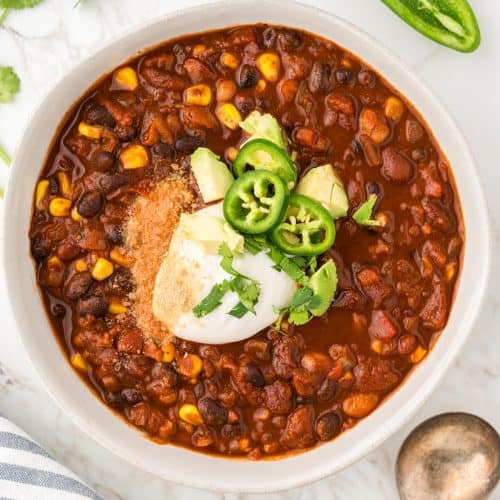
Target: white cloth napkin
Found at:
28, 472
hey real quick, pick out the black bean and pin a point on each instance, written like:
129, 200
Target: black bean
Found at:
229, 431
40, 248
188, 143
343, 76
90, 204
367, 78
327, 426
164, 372
247, 76
110, 182
99, 115
289, 40
96, 306
78, 285
163, 150
356, 147
104, 160
114, 232
244, 103
253, 374
269, 37
327, 391
212, 411
126, 134
53, 185
114, 399
320, 78
122, 280
58, 310
131, 396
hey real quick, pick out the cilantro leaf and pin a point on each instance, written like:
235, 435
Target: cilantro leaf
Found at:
301, 297
212, 300
238, 311
9, 84
363, 213
299, 317
18, 4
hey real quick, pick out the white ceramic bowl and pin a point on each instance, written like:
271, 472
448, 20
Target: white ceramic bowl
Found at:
94, 417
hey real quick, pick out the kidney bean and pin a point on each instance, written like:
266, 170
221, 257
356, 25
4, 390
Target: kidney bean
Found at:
370, 150
90, 204
131, 396
163, 79
340, 103
434, 312
78, 285
407, 344
196, 117
299, 430
305, 382
96, 306
321, 78
198, 71
316, 362
396, 167
436, 215
413, 131
289, 40
327, 426
212, 411
382, 326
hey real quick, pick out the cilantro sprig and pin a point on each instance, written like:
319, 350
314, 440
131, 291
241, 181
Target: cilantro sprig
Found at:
247, 289
363, 215
7, 5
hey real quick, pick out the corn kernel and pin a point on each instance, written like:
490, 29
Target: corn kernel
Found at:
198, 49
79, 362
190, 414
450, 270
120, 258
394, 108
426, 228
168, 352
54, 263
228, 115
90, 131
199, 95
230, 60
269, 64
261, 86
116, 307
346, 63
41, 191
190, 365
231, 153
134, 156
126, 78
75, 215
418, 354
103, 269
64, 184
377, 346
59, 207
244, 444
80, 265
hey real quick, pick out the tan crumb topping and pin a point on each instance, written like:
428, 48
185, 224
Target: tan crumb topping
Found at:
153, 219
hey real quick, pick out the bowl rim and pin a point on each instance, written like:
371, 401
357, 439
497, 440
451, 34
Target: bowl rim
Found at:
404, 412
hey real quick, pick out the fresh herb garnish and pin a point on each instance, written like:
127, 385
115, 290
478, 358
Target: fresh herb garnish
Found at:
247, 289
8, 5
303, 301
363, 215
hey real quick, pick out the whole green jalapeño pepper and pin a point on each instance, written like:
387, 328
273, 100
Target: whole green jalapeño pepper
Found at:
307, 228
256, 202
448, 22
261, 154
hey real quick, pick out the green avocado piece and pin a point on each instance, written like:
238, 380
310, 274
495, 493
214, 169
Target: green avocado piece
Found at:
325, 186
211, 174
264, 126
324, 284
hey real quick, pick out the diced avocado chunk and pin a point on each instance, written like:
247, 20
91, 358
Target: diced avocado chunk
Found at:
264, 126
210, 231
324, 185
324, 284
211, 174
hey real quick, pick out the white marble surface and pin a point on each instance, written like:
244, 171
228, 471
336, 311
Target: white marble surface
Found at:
44, 42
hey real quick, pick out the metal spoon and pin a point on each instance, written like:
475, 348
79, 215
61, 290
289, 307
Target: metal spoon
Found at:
453, 456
